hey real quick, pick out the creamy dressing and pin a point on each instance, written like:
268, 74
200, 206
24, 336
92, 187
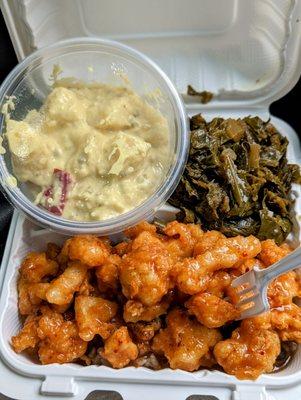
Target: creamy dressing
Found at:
2, 149
11, 181
93, 151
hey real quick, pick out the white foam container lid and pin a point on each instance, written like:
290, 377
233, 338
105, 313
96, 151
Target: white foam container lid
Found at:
246, 52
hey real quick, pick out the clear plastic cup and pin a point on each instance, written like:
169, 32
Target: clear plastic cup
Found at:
92, 59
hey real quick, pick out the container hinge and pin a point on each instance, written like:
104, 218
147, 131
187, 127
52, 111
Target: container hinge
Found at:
58, 386
251, 392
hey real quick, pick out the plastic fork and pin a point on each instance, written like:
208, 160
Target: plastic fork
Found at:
251, 287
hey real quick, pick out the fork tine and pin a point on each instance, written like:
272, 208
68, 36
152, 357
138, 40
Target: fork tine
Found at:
244, 291
252, 311
248, 300
238, 281
248, 277
259, 306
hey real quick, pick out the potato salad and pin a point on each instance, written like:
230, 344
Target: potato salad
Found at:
92, 151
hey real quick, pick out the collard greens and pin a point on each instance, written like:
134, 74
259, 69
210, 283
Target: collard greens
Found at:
237, 179
204, 96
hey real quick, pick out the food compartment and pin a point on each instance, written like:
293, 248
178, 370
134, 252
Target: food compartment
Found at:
245, 50
28, 237
229, 50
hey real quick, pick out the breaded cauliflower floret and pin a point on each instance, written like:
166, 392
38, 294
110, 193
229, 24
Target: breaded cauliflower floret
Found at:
31, 289
193, 274
181, 239
246, 266
143, 226
28, 336
107, 275
144, 271
24, 304
271, 253
135, 311
184, 341
36, 266
210, 310
283, 289
207, 242
287, 322
248, 353
219, 283
61, 290
59, 339
93, 315
89, 250
119, 348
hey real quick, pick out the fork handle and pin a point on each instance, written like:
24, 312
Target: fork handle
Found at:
288, 263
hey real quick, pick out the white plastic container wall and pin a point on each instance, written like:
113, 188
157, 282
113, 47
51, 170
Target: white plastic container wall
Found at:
248, 54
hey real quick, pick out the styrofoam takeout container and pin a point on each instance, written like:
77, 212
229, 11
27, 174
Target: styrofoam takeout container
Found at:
246, 52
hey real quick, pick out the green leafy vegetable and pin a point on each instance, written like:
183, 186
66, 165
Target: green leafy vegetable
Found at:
237, 178
204, 96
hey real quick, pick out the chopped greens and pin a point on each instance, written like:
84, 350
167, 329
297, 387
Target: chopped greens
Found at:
204, 96
237, 179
